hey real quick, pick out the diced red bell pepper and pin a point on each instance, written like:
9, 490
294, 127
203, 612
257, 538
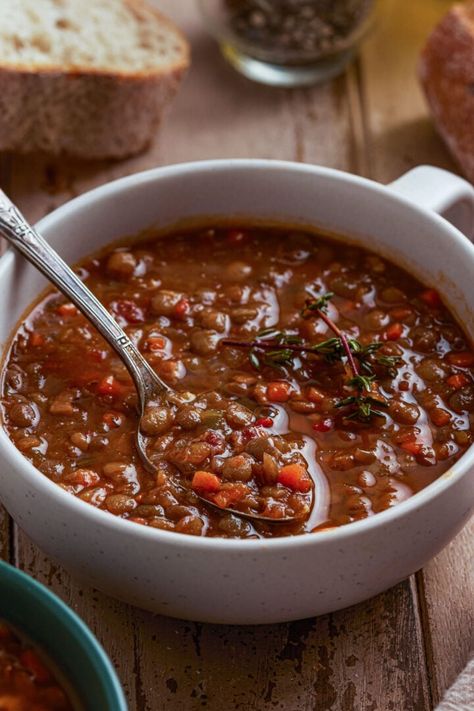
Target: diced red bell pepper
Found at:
295, 477
457, 381
323, 425
393, 332
155, 343
110, 386
182, 309
264, 422
205, 482
431, 298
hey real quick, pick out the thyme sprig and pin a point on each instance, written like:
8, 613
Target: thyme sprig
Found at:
278, 348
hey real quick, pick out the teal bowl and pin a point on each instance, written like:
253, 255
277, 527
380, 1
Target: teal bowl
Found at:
48, 623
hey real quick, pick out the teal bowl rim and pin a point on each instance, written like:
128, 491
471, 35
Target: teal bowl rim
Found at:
75, 627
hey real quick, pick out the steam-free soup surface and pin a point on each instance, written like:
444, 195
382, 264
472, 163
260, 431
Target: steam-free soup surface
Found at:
251, 326
27, 683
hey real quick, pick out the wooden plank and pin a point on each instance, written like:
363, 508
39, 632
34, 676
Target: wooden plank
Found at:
369, 657
446, 586
400, 135
112, 621
399, 131
355, 659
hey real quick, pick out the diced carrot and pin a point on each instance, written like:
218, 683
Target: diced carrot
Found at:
431, 298
155, 343
36, 339
110, 386
35, 665
112, 419
206, 482
440, 417
229, 496
457, 381
464, 359
323, 425
278, 391
294, 477
66, 310
412, 447
393, 332
182, 308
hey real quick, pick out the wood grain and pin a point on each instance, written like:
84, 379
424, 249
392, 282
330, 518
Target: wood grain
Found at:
373, 657
400, 134
348, 661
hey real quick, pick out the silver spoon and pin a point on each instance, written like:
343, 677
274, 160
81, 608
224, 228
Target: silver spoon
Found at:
150, 388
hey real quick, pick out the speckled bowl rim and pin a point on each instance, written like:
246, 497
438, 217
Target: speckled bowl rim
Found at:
463, 467
76, 628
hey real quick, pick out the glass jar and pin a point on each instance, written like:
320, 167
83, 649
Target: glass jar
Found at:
288, 42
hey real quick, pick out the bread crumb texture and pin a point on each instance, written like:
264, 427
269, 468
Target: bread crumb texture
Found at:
89, 78
446, 71
122, 36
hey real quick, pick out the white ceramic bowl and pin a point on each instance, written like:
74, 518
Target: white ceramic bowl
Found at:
252, 581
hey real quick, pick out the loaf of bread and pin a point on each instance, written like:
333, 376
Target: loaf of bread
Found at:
446, 70
88, 78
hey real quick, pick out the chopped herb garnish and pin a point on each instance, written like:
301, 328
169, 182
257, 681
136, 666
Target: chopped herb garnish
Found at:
275, 348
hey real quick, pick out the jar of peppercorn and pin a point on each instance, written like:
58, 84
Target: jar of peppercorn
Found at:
288, 42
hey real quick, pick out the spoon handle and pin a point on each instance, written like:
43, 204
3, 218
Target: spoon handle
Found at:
15, 228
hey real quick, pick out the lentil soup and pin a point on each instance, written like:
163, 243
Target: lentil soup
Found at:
315, 380
26, 681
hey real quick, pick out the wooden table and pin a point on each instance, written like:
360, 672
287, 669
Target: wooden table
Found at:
400, 650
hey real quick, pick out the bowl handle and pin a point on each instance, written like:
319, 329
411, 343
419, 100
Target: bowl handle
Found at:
441, 191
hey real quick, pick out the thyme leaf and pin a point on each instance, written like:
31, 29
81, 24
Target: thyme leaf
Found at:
275, 349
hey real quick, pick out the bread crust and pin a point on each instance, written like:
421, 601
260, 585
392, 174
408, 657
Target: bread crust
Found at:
87, 112
446, 71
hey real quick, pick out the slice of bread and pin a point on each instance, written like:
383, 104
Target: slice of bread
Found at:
446, 71
88, 78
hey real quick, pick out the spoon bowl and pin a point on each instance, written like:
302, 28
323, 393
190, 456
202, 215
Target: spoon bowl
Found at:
151, 390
